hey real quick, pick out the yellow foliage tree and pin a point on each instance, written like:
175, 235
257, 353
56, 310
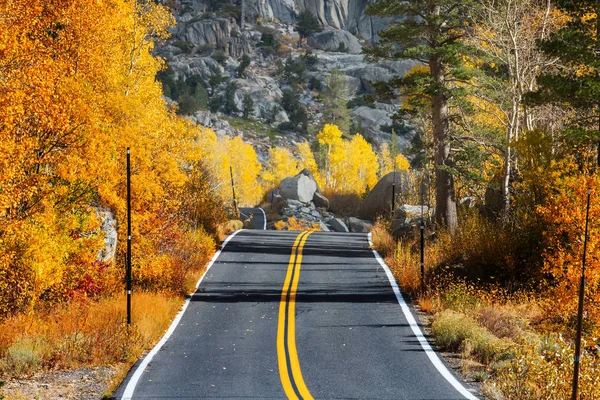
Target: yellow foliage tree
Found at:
280, 164
354, 166
307, 160
77, 86
329, 136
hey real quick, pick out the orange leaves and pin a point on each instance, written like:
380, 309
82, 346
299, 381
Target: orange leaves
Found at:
565, 218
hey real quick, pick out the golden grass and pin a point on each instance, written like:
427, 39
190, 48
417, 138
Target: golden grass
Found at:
295, 224
84, 333
504, 336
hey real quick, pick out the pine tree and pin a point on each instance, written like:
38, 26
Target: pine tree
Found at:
430, 32
247, 106
307, 23
335, 100
576, 84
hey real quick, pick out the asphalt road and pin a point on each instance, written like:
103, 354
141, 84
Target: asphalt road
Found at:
256, 216
291, 315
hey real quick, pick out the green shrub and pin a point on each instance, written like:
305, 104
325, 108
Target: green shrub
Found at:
457, 332
186, 47
219, 56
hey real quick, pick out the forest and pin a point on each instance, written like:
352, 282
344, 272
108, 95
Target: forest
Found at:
502, 98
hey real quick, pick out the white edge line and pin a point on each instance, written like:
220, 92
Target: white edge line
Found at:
433, 357
128, 393
265, 219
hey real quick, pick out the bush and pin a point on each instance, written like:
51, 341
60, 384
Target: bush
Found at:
244, 63
219, 56
186, 47
455, 331
205, 49
268, 41
314, 83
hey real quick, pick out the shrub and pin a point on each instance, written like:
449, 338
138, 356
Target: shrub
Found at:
244, 63
455, 331
186, 47
219, 56
205, 49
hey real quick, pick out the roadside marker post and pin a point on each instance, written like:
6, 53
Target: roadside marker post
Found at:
233, 189
422, 234
128, 272
394, 190
580, 305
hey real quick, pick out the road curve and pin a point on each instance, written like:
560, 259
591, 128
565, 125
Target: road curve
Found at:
255, 215
293, 315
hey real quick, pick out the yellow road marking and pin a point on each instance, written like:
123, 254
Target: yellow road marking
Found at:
287, 308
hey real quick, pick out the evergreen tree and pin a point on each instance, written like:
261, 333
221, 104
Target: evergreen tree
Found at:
430, 32
247, 106
244, 63
307, 23
229, 106
335, 99
576, 83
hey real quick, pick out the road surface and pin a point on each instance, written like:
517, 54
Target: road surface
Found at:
294, 315
256, 216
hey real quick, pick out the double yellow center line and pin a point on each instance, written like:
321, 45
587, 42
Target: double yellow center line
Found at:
287, 355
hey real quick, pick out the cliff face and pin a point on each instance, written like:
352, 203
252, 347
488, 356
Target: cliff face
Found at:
340, 14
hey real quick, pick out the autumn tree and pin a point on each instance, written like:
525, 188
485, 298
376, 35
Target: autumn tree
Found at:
575, 83
354, 166
431, 32
506, 33
330, 136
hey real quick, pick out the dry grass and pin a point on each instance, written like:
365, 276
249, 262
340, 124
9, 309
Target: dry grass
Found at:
84, 333
295, 224
228, 228
502, 334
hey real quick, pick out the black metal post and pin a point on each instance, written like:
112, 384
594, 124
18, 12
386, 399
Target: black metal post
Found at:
128, 236
422, 235
394, 190
580, 306
233, 189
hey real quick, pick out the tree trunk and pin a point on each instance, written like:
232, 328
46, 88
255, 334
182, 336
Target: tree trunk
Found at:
445, 202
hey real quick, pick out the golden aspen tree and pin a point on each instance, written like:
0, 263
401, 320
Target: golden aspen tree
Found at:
280, 165
307, 160
354, 166
329, 136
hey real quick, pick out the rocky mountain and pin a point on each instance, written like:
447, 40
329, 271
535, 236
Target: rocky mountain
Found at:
217, 69
346, 15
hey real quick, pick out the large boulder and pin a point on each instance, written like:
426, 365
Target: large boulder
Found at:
407, 217
337, 225
320, 200
335, 40
379, 200
300, 188
264, 92
359, 225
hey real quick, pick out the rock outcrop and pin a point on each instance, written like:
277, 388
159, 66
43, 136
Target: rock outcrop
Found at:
300, 188
408, 217
379, 200
335, 40
359, 225
339, 14
221, 33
